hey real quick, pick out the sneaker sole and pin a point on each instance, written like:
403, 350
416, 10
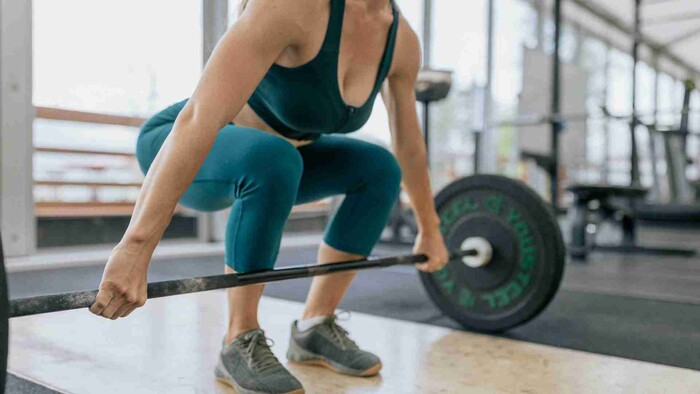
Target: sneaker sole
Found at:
224, 377
299, 355
323, 363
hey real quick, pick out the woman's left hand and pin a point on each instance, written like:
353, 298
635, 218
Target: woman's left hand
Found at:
432, 245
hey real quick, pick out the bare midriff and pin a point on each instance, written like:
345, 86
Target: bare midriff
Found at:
248, 118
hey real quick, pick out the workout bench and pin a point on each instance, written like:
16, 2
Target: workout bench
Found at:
598, 203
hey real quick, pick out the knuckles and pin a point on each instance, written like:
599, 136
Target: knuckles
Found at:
118, 289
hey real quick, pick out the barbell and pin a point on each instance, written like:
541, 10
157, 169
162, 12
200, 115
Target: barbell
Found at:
83, 299
505, 267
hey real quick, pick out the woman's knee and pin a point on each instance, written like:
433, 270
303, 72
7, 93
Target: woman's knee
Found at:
148, 144
153, 132
207, 196
167, 115
384, 171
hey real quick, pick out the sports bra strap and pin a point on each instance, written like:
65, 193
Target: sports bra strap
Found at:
335, 25
389, 51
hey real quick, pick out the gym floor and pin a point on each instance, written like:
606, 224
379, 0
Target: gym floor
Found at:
620, 323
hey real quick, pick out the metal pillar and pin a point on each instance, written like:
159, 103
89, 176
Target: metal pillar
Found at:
556, 125
634, 122
655, 194
577, 31
214, 25
541, 20
487, 146
427, 32
427, 59
16, 128
606, 125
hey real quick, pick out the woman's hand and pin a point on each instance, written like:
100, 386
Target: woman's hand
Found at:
124, 281
432, 245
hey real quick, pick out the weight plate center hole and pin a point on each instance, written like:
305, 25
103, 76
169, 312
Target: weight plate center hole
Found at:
483, 249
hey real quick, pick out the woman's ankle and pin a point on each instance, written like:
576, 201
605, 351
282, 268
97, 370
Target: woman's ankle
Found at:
235, 332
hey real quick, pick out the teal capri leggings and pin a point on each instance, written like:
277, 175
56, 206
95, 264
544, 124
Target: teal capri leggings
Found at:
261, 177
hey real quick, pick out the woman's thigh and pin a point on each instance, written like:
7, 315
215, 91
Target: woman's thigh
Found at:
336, 165
241, 159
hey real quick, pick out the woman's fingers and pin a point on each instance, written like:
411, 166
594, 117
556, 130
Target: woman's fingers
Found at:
110, 312
121, 312
101, 302
133, 301
128, 311
433, 264
429, 266
425, 267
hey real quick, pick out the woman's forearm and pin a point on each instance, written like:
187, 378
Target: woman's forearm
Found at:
416, 179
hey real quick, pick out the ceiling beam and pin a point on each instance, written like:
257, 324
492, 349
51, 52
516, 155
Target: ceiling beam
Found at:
683, 37
614, 21
670, 19
654, 2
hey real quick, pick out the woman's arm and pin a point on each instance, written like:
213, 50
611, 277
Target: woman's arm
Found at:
407, 141
238, 63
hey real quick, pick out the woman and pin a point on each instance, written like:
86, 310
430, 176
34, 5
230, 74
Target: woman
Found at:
260, 134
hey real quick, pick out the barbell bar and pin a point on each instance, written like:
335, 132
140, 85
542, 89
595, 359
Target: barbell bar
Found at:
84, 299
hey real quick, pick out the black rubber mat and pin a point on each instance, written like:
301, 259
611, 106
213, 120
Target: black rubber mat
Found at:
17, 385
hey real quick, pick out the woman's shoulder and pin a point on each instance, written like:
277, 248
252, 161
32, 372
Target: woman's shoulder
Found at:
300, 11
286, 20
407, 51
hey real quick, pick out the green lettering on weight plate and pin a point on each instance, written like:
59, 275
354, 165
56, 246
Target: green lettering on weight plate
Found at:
447, 217
524, 278
527, 260
522, 229
494, 203
456, 210
446, 282
466, 298
513, 216
468, 205
515, 289
442, 274
449, 286
490, 298
502, 297
498, 298
526, 244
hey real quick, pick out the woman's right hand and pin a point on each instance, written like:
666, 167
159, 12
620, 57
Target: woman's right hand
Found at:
124, 281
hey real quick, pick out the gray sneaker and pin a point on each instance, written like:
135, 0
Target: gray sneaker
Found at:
328, 345
249, 366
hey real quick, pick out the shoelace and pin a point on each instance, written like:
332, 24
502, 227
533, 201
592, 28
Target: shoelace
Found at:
257, 348
339, 333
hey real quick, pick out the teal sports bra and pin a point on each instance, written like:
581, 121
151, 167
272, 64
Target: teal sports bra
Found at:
305, 102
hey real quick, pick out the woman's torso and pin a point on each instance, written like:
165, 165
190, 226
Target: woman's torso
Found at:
328, 84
